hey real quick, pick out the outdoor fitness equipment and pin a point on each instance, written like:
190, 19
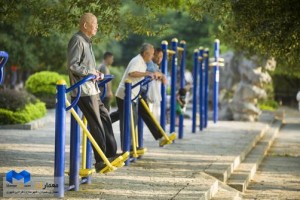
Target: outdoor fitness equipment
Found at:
129, 128
59, 165
3, 60
164, 69
201, 67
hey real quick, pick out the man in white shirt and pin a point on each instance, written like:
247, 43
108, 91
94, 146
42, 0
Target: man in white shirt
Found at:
135, 72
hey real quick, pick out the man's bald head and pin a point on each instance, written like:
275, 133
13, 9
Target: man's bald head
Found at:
86, 17
88, 24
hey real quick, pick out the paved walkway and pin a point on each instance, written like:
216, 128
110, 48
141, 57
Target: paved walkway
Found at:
177, 171
279, 175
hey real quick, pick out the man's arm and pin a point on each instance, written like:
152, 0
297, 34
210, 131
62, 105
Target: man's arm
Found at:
137, 74
75, 50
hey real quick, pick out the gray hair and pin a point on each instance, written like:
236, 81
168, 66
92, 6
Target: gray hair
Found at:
146, 47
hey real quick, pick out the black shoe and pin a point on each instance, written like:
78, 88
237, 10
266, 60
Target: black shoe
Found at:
100, 165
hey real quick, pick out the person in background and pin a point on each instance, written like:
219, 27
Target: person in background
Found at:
153, 97
81, 63
135, 72
108, 59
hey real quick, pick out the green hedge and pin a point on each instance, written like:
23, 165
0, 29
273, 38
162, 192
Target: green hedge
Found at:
43, 85
27, 114
19, 107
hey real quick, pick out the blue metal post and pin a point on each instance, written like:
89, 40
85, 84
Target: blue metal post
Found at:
182, 85
74, 151
201, 94
195, 70
3, 60
60, 132
127, 114
164, 70
216, 81
206, 87
89, 159
173, 86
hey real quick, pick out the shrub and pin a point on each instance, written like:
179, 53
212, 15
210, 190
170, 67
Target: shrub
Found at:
19, 107
27, 114
269, 105
43, 85
15, 100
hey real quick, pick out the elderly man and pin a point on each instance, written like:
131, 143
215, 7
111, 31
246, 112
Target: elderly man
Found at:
81, 62
136, 71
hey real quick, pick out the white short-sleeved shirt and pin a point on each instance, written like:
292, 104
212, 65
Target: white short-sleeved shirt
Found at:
137, 64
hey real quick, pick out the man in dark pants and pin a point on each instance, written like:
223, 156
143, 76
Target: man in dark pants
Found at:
108, 59
81, 62
136, 71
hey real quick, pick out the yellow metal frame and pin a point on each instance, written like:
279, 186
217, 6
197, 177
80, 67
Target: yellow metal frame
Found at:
118, 162
135, 152
83, 172
133, 135
167, 139
171, 52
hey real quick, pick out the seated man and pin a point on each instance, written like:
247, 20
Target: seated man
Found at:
136, 71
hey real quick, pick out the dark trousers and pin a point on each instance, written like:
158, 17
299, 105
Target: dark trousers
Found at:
106, 102
119, 115
100, 125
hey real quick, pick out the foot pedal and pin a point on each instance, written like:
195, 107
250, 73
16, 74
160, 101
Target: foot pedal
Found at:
86, 172
170, 140
139, 152
118, 162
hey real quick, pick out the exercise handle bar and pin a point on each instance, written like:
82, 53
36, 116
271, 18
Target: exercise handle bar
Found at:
143, 82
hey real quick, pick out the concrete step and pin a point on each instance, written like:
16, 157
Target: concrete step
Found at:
223, 170
241, 177
226, 193
135, 183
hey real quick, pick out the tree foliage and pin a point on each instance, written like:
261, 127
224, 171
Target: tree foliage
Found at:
267, 28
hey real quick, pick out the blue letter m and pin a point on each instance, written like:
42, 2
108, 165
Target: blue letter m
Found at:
18, 176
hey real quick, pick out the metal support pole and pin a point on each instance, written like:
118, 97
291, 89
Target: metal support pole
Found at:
173, 86
74, 151
164, 70
60, 132
206, 87
201, 89
140, 129
195, 70
216, 81
89, 159
3, 60
127, 114
182, 85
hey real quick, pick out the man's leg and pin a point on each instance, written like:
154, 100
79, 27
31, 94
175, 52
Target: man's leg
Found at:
149, 122
115, 116
106, 102
120, 112
89, 106
111, 144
